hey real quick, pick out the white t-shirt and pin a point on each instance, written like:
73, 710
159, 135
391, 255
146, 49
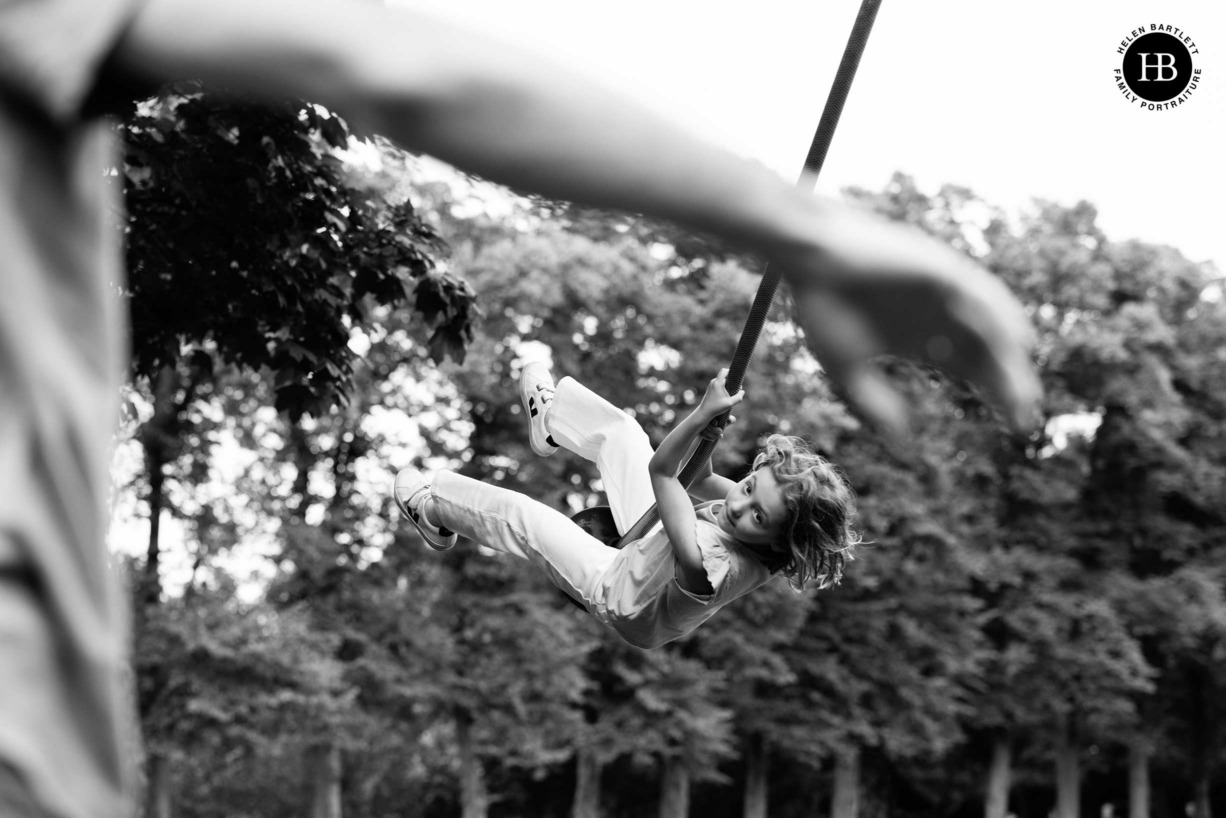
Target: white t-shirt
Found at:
65, 705
644, 602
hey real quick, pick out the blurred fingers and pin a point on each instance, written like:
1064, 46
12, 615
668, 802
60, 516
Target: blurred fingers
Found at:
994, 353
871, 395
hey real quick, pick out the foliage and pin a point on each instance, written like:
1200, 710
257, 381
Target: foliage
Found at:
1066, 583
249, 243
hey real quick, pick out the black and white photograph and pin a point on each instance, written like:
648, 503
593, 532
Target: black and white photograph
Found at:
472, 409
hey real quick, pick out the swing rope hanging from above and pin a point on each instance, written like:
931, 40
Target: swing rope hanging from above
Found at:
598, 521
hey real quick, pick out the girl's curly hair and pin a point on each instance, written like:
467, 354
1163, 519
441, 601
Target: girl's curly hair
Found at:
821, 506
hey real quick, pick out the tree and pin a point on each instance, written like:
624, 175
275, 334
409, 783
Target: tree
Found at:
647, 331
249, 245
1113, 317
1021, 599
226, 680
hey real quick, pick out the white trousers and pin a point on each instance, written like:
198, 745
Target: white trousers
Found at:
588, 425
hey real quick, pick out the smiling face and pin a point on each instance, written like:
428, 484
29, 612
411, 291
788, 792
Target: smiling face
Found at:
754, 511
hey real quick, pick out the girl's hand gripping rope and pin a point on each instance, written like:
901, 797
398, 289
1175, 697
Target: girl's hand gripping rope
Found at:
716, 400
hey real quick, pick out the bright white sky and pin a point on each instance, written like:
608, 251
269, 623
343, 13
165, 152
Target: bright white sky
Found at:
1014, 100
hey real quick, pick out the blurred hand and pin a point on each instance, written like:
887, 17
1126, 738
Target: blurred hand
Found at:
876, 287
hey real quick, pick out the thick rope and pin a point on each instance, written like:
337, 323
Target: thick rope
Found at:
758, 311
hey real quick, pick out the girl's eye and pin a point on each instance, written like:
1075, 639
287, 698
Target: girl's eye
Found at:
749, 488
757, 517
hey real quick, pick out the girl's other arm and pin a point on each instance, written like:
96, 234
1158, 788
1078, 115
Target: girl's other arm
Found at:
672, 501
708, 485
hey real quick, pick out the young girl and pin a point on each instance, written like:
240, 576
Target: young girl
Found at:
792, 513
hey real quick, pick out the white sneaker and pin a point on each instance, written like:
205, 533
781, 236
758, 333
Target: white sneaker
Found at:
536, 390
410, 491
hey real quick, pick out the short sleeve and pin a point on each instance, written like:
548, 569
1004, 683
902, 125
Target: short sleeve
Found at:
51, 50
716, 560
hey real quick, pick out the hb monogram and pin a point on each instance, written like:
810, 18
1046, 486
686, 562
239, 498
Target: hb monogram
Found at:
1161, 65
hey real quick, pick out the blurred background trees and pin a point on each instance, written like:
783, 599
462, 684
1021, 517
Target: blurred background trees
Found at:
1036, 626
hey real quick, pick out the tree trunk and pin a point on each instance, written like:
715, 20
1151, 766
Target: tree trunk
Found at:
674, 790
159, 792
1201, 806
757, 774
324, 770
151, 584
845, 802
300, 453
1138, 780
1068, 777
474, 799
587, 785
1000, 773
154, 437
158, 439
1203, 739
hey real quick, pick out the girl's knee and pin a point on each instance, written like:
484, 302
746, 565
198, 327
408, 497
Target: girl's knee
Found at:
629, 430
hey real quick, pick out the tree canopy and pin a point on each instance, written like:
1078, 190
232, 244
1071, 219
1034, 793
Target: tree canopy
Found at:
1032, 621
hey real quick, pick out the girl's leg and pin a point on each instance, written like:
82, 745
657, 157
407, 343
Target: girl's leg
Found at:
515, 523
590, 426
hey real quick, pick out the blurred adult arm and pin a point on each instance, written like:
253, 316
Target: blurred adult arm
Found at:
862, 286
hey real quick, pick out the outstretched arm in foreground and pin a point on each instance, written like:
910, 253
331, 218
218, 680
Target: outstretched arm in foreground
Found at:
862, 286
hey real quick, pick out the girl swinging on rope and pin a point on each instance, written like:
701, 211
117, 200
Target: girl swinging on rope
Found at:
792, 514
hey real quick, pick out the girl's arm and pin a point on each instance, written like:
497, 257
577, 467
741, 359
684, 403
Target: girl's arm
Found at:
672, 500
707, 484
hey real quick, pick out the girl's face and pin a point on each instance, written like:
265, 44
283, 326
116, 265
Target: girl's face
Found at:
754, 511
